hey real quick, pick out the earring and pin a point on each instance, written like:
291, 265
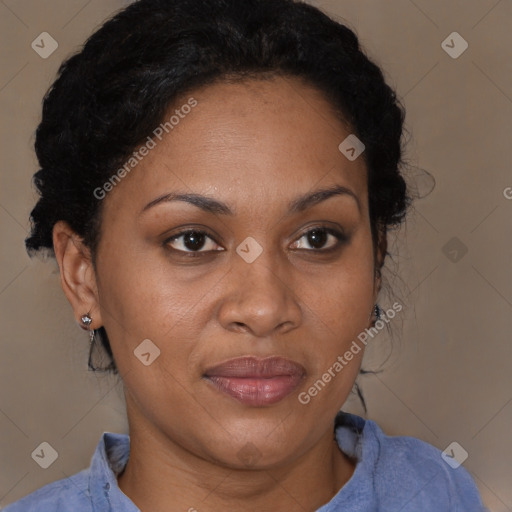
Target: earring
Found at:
86, 321
378, 311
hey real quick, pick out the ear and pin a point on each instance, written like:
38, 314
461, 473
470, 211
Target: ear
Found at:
380, 255
77, 275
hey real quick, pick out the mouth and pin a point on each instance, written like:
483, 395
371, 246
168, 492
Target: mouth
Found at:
254, 381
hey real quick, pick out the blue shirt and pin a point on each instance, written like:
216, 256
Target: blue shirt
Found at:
392, 474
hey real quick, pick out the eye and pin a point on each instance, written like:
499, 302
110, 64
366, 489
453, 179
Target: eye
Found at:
320, 239
192, 241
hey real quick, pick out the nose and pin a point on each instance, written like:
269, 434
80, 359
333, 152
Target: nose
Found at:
259, 299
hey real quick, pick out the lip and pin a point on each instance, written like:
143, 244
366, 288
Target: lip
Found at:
256, 381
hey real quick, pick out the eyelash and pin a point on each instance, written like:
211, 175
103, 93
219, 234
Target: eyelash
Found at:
340, 237
190, 254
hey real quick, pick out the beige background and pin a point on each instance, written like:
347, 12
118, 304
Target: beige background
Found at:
448, 377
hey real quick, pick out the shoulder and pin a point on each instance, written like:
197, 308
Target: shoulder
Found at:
418, 473
78, 492
410, 474
70, 493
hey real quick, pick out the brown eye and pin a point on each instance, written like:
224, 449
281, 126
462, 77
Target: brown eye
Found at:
192, 241
319, 239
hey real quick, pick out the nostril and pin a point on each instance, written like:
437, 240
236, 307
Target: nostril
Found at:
239, 327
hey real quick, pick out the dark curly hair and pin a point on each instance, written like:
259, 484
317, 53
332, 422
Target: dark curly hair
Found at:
113, 93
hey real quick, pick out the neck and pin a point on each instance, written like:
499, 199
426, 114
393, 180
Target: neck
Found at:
163, 476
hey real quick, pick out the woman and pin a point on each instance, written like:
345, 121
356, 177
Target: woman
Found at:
217, 182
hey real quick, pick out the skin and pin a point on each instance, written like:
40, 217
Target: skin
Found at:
255, 146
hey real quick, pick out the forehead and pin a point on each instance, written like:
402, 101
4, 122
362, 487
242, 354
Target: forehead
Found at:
267, 139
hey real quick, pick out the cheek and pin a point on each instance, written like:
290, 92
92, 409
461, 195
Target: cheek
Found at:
338, 308
341, 298
143, 298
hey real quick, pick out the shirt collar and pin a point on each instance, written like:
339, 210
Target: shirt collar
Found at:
357, 438
108, 461
352, 435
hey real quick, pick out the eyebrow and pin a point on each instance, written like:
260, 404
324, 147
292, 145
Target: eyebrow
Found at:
313, 198
205, 203
296, 206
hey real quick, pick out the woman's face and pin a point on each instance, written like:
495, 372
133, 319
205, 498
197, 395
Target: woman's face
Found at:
270, 267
